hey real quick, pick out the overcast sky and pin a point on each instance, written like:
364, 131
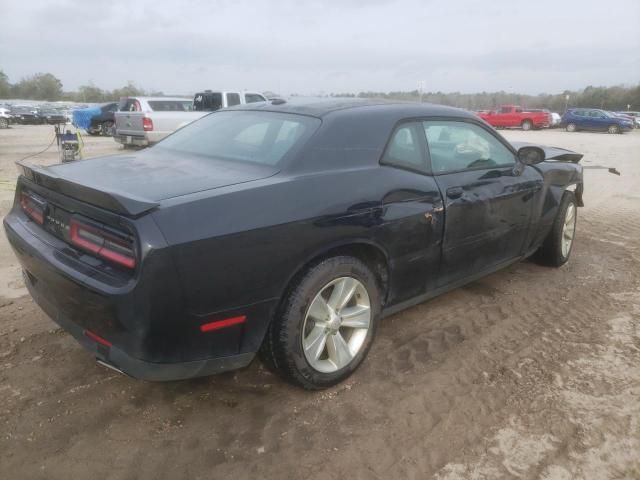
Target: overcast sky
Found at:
293, 46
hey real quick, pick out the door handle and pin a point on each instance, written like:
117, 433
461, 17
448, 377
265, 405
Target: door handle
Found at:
454, 192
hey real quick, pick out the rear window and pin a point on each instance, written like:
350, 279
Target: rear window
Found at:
207, 101
171, 105
259, 137
253, 98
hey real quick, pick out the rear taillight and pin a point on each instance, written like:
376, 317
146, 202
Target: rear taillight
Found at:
116, 249
33, 207
147, 124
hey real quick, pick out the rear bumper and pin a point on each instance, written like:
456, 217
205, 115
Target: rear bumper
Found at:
133, 140
118, 359
146, 332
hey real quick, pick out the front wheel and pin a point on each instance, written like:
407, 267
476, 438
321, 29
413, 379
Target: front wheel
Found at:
613, 129
326, 325
527, 125
556, 248
571, 127
4, 123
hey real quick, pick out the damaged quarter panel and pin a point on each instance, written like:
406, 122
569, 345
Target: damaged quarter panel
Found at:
558, 177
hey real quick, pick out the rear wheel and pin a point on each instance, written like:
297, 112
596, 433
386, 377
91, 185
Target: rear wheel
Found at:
527, 125
613, 129
4, 123
556, 248
326, 326
571, 127
106, 128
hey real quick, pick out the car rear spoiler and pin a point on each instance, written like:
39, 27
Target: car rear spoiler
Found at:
552, 153
116, 202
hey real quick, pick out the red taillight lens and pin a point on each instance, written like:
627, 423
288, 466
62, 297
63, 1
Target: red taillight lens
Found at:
103, 244
33, 207
147, 124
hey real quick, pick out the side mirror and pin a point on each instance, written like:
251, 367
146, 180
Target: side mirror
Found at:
530, 155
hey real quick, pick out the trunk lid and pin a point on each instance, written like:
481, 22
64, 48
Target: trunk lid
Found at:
136, 183
129, 123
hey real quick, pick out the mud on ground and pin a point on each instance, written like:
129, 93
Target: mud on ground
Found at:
529, 373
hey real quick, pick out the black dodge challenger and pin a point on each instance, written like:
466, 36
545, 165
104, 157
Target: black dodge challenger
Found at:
286, 230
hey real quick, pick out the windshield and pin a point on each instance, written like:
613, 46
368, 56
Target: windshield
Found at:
171, 105
259, 137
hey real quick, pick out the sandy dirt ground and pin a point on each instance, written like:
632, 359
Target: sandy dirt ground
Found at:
529, 373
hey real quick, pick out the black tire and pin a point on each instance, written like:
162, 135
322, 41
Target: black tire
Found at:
571, 127
550, 252
106, 128
282, 349
4, 123
527, 125
613, 129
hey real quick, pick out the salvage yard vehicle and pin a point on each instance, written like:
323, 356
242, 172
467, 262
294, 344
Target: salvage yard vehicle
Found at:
594, 119
102, 122
143, 121
210, 101
515, 116
288, 230
25, 115
51, 117
6, 118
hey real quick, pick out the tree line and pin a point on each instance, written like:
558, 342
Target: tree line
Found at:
45, 86
608, 98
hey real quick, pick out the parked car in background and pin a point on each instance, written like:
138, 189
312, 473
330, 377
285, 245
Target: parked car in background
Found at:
102, 123
210, 101
51, 116
510, 116
25, 115
634, 116
285, 229
594, 119
554, 117
143, 121
6, 118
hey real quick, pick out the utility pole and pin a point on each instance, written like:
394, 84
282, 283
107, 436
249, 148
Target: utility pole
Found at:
421, 85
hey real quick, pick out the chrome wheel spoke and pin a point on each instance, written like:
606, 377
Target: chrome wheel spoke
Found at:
356, 317
336, 325
315, 342
319, 310
338, 350
342, 292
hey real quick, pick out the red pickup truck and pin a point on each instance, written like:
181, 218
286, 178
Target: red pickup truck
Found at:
515, 116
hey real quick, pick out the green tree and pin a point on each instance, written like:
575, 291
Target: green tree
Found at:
129, 90
5, 86
41, 86
90, 93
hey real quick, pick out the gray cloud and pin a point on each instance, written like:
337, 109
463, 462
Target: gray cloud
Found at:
324, 46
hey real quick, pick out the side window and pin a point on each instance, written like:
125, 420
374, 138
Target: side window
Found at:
405, 148
505, 110
455, 146
233, 99
253, 98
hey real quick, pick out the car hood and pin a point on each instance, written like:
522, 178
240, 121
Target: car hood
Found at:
132, 184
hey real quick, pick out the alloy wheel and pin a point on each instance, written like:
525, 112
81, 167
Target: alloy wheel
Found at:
568, 229
336, 325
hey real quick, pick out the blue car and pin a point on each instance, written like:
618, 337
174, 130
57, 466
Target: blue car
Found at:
576, 119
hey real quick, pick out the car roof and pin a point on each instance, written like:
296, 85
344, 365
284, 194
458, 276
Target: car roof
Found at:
180, 99
324, 107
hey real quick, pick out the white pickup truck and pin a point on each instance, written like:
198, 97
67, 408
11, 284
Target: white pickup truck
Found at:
143, 121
